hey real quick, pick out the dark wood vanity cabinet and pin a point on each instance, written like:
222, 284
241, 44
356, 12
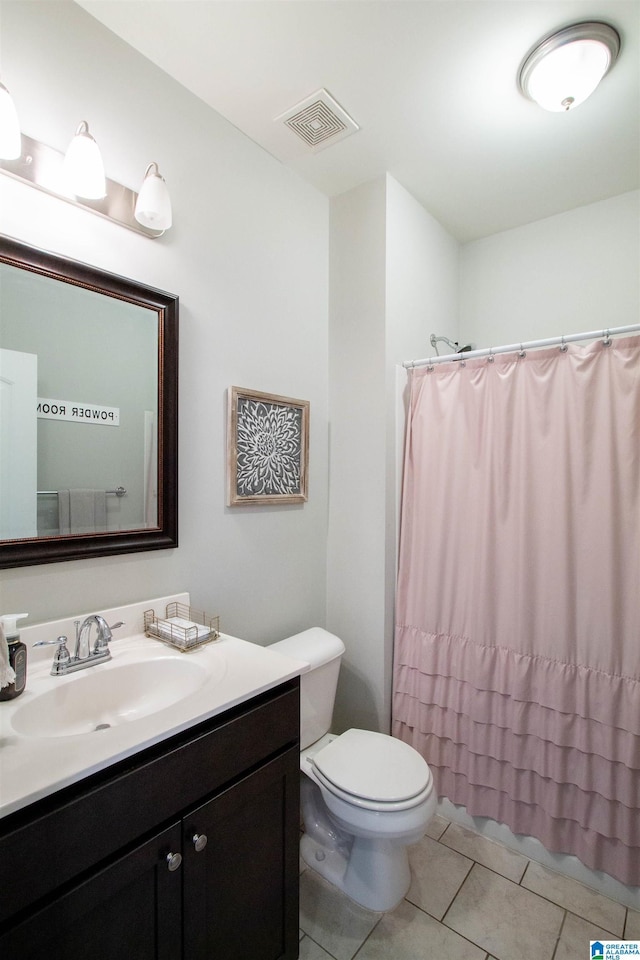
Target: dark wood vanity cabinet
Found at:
104, 870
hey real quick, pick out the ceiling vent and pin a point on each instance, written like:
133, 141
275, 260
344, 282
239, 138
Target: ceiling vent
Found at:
319, 121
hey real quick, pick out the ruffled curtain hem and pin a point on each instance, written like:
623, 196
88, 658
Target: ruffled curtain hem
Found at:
551, 750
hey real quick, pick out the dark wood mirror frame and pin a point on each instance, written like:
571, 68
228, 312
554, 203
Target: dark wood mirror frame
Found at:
16, 553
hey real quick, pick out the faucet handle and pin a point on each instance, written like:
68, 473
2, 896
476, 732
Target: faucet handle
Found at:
61, 658
60, 641
104, 636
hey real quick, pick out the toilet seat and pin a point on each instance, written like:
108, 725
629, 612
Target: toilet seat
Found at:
373, 770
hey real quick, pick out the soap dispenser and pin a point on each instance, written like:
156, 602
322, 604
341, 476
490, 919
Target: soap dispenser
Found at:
16, 656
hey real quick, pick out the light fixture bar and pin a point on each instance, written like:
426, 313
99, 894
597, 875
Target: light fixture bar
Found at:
42, 167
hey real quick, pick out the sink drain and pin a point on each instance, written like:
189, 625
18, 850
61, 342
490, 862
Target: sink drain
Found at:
103, 726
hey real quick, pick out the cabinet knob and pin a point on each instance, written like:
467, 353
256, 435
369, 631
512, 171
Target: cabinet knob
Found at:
199, 841
173, 861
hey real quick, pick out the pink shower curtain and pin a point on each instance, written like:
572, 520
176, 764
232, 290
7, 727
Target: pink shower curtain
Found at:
517, 655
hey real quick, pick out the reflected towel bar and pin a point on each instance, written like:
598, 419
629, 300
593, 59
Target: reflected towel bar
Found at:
118, 492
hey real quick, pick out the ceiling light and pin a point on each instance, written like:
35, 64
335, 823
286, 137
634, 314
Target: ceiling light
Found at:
566, 67
10, 139
83, 167
153, 207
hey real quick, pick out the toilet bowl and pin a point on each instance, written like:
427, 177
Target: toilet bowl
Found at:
359, 842
365, 796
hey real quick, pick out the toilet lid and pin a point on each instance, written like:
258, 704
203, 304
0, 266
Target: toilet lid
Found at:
373, 766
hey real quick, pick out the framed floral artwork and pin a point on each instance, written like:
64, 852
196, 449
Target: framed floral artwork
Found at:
267, 448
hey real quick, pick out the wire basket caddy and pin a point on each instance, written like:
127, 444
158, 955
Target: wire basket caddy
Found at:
183, 627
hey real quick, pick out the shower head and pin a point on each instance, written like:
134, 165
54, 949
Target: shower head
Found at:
453, 345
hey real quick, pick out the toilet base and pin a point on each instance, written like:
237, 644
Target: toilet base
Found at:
376, 873
330, 864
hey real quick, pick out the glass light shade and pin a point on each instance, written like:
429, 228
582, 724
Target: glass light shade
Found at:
83, 167
568, 75
153, 206
10, 139
567, 67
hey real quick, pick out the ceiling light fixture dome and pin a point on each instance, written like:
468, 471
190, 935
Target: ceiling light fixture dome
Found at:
566, 67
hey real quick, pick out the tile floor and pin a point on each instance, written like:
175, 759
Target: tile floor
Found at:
470, 899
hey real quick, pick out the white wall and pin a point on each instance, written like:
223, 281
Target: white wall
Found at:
578, 271
249, 243
356, 530
422, 277
421, 298
393, 273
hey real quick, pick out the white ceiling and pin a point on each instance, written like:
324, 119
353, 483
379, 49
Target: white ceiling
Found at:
431, 84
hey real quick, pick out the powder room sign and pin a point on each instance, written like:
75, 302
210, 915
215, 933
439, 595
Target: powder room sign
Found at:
77, 412
267, 448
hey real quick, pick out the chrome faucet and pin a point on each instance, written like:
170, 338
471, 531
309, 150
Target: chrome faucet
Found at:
83, 632
84, 656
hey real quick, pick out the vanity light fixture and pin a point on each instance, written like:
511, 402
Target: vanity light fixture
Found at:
78, 176
153, 206
83, 166
567, 66
10, 140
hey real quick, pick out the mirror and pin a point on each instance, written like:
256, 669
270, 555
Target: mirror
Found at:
88, 411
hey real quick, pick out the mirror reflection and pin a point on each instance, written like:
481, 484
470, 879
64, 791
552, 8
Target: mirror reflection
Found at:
71, 360
88, 410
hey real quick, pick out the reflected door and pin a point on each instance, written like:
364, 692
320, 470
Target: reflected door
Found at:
18, 444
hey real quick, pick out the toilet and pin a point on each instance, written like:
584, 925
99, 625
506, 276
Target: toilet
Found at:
365, 796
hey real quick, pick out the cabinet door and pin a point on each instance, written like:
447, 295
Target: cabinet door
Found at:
241, 889
130, 908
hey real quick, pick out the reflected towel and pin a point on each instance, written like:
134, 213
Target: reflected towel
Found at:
82, 511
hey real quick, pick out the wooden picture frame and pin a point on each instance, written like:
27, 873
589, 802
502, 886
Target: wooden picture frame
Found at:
267, 448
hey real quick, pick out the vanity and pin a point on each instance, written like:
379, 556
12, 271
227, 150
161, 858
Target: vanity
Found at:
171, 833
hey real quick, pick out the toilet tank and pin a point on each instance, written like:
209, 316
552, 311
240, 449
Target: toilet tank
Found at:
323, 652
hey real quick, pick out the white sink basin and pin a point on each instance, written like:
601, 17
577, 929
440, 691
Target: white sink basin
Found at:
108, 695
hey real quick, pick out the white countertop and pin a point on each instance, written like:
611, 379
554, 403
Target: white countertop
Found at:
32, 767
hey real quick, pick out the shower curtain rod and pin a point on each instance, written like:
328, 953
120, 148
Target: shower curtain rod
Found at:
523, 347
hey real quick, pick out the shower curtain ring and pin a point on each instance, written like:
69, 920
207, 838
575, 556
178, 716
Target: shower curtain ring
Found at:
491, 357
563, 346
523, 352
607, 338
